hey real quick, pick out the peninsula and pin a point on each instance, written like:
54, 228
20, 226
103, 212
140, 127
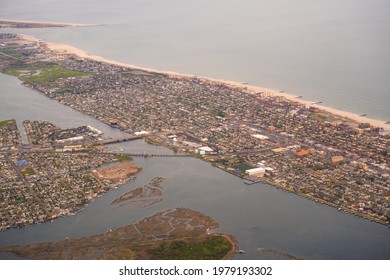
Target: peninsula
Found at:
57, 175
261, 135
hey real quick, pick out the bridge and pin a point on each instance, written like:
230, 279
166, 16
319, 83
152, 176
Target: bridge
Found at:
120, 139
156, 155
144, 154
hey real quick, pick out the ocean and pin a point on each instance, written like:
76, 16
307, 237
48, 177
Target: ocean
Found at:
331, 51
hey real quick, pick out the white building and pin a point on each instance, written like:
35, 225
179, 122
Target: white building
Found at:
259, 136
255, 171
97, 131
141, 132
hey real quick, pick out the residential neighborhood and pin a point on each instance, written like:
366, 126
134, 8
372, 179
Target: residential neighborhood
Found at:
253, 135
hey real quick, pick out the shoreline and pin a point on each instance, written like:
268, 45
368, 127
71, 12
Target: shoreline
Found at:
303, 195
110, 243
64, 24
347, 116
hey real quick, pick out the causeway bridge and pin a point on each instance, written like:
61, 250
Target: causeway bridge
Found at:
144, 154
120, 139
156, 155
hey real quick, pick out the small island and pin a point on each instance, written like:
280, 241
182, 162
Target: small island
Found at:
147, 195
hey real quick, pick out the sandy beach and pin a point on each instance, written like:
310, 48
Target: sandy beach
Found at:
347, 116
62, 24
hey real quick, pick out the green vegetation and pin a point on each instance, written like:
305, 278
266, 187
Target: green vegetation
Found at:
27, 171
322, 117
213, 248
11, 52
193, 154
44, 74
64, 89
4, 123
151, 141
123, 158
242, 167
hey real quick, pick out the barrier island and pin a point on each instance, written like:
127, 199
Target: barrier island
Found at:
330, 156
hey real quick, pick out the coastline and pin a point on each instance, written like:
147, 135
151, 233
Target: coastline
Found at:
64, 24
281, 187
335, 115
347, 116
303, 195
133, 240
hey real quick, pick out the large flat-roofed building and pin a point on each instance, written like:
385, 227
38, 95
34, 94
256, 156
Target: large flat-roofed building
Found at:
204, 150
255, 171
260, 137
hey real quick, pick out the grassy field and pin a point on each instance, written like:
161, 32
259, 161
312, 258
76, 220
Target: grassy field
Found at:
212, 248
243, 167
11, 52
27, 172
4, 123
45, 74
123, 158
322, 117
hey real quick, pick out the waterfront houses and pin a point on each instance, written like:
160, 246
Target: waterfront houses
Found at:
302, 149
